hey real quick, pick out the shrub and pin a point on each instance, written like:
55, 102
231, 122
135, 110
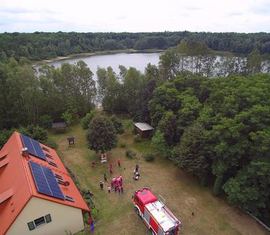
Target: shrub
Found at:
68, 117
130, 154
36, 132
45, 121
51, 143
149, 157
122, 145
159, 144
87, 119
117, 125
4, 135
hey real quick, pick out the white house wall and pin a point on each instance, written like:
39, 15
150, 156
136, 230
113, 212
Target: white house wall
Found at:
65, 219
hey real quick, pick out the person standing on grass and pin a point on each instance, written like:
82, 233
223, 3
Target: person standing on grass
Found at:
111, 171
105, 177
119, 190
122, 189
119, 163
113, 183
120, 180
101, 184
137, 168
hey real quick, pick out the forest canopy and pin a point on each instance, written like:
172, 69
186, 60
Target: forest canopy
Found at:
214, 126
42, 45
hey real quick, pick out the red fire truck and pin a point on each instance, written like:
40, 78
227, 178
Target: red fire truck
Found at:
157, 217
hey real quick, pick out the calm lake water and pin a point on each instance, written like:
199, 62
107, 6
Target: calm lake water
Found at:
137, 60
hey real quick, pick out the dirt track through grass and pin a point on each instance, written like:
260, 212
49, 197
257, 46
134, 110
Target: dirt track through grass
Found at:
182, 193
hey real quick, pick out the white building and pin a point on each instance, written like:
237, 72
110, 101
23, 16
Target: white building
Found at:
37, 194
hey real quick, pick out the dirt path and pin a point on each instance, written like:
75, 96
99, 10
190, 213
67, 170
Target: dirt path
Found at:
212, 216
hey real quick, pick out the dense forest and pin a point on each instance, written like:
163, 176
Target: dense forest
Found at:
39, 45
217, 129
214, 127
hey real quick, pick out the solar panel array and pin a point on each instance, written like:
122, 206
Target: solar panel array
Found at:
45, 181
33, 147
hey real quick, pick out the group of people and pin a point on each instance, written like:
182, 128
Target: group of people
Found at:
116, 184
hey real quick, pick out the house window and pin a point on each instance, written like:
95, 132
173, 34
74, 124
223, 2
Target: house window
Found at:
31, 226
48, 218
39, 221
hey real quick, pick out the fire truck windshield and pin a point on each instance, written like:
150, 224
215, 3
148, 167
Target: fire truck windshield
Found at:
171, 232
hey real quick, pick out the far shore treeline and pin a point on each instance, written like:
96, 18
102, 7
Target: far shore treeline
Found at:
215, 126
41, 45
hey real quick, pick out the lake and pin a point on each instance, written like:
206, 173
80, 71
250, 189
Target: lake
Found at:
210, 65
137, 60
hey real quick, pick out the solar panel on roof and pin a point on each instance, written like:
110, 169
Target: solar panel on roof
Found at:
56, 191
39, 178
33, 147
45, 181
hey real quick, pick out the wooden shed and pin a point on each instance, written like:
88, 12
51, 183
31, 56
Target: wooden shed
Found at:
59, 126
143, 129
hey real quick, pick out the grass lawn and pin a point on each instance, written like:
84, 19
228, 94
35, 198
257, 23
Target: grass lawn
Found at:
182, 193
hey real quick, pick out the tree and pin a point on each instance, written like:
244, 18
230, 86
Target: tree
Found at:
110, 91
35, 132
101, 134
68, 117
192, 155
167, 125
250, 188
85, 121
169, 64
160, 145
254, 61
118, 126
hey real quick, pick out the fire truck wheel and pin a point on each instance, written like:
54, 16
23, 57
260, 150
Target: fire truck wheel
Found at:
137, 211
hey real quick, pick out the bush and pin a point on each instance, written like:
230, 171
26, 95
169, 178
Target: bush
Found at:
68, 117
137, 139
45, 121
87, 119
4, 136
117, 125
130, 154
51, 143
149, 157
36, 132
122, 145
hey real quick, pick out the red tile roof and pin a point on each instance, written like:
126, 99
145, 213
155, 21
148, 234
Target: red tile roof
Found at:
16, 177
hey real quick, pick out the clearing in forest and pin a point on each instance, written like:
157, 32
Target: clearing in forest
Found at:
182, 193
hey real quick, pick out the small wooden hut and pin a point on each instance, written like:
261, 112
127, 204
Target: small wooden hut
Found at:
143, 129
59, 126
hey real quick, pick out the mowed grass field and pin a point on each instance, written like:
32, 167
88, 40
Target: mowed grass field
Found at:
183, 194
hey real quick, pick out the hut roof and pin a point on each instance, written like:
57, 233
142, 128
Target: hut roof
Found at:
143, 126
57, 125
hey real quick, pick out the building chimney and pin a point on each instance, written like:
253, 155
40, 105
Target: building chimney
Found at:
25, 152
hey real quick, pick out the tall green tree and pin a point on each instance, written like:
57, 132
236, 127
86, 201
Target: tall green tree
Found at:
101, 134
250, 188
254, 61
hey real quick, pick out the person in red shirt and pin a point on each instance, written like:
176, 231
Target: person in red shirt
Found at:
111, 171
